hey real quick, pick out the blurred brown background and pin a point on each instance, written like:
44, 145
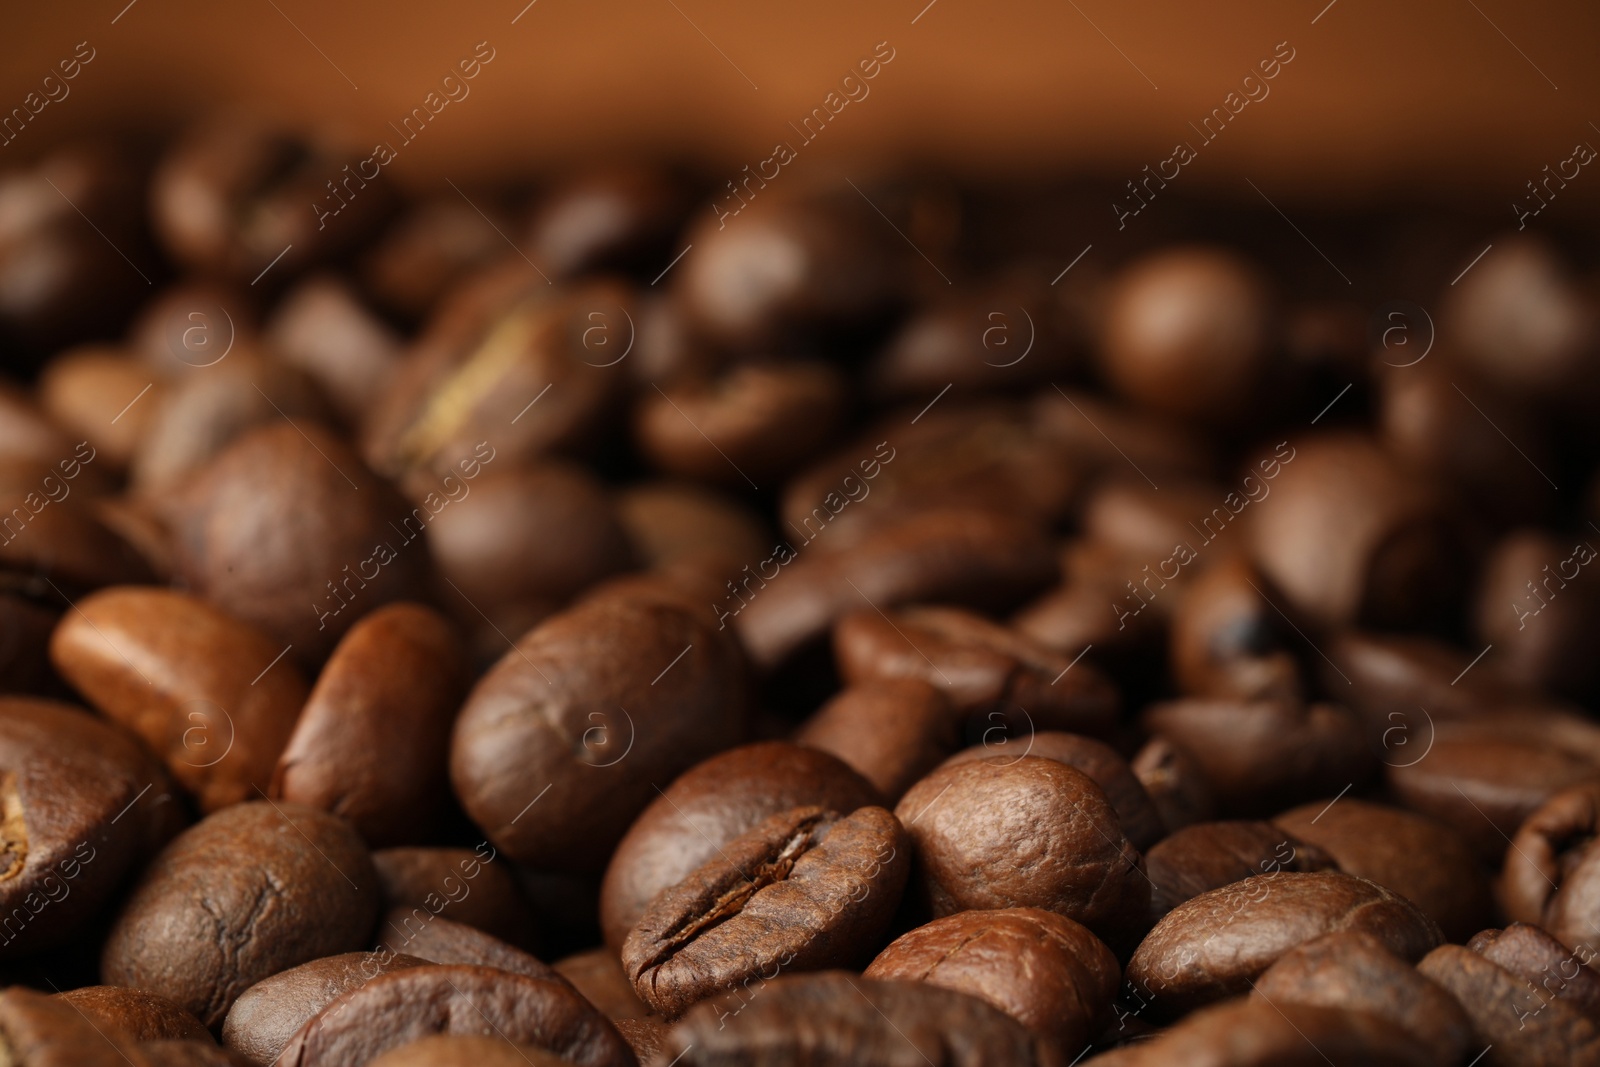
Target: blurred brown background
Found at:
1468, 96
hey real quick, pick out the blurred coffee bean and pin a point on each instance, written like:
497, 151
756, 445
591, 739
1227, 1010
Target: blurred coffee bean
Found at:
70, 780
607, 218
243, 894
1408, 681
892, 731
1047, 972
1228, 641
418, 930
1091, 606
193, 326
464, 884
597, 973
1218, 943
1187, 334
594, 706
1029, 832
25, 630
372, 742
1138, 520
1423, 860
98, 395
139, 1013
322, 329
232, 196
207, 693
1175, 782
1111, 438
710, 805
1552, 869
1260, 756
1532, 954
788, 266
754, 423
46, 1031
1526, 573
1508, 1012
1210, 855
675, 523
288, 530
431, 245
52, 544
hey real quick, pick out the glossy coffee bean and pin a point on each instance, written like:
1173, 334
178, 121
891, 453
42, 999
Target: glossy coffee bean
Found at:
82, 804
1263, 755
466, 885
804, 890
1423, 860
1218, 943
1136, 813
51, 533
983, 668
287, 530
402, 1006
1029, 832
1556, 971
1187, 333
1175, 782
1539, 610
1047, 972
322, 329
597, 973
1393, 677
418, 931
607, 218
465, 1050
269, 1013
557, 713
892, 731
1356, 971
1229, 642
837, 1017
709, 805
1551, 875
245, 893
1074, 615
370, 745
1211, 855
139, 1013
41, 1030
207, 693
1509, 1013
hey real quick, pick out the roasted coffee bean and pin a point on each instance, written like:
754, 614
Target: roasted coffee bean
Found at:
1175, 783
710, 805
754, 423
52, 542
671, 523
1126, 513
193, 326
1187, 333
597, 973
245, 893
88, 392
372, 742
986, 670
1423, 860
1393, 678
1024, 832
1519, 1025
418, 931
402, 1006
607, 218
1263, 755
836, 1017
557, 714
207, 693
322, 329
1218, 943
139, 1013
189, 1054
465, 1050
465, 884
1072, 617
647, 1037
1536, 607
1210, 855
1047, 972
1110, 437
272, 1011
1228, 641
287, 530
1532, 954
40, 1030
429, 247
82, 805
891, 731
804, 890
1552, 869
1136, 813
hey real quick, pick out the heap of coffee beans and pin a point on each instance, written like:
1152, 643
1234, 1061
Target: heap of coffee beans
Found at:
562, 623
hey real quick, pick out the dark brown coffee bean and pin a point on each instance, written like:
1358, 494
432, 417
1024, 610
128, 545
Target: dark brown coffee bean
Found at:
557, 714
402, 1006
139, 1013
804, 890
272, 1011
597, 973
1218, 943
287, 530
1260, 756
1352, 539
430, 247
986, 670
1358, 972
1210, 855
464, 884
51, 535
322, 329
1187, 333
1423, 860
1123, 511
1555, 970
418, 931
87, 391
231, 196
1136, 813
646, 1037
978, 558
1509, 1015
1552, 869
465, 1050
82, 804
1228, 641
892, 731
836, 1017
1005, 833
607, 218
1112, 438
1540, 610
1392, 677
1175, 782
204, 691
754, 423
710, 805
245, 893
670, 523
40, 1030
188, 1054
1073, 616
1047, 972
372, 743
